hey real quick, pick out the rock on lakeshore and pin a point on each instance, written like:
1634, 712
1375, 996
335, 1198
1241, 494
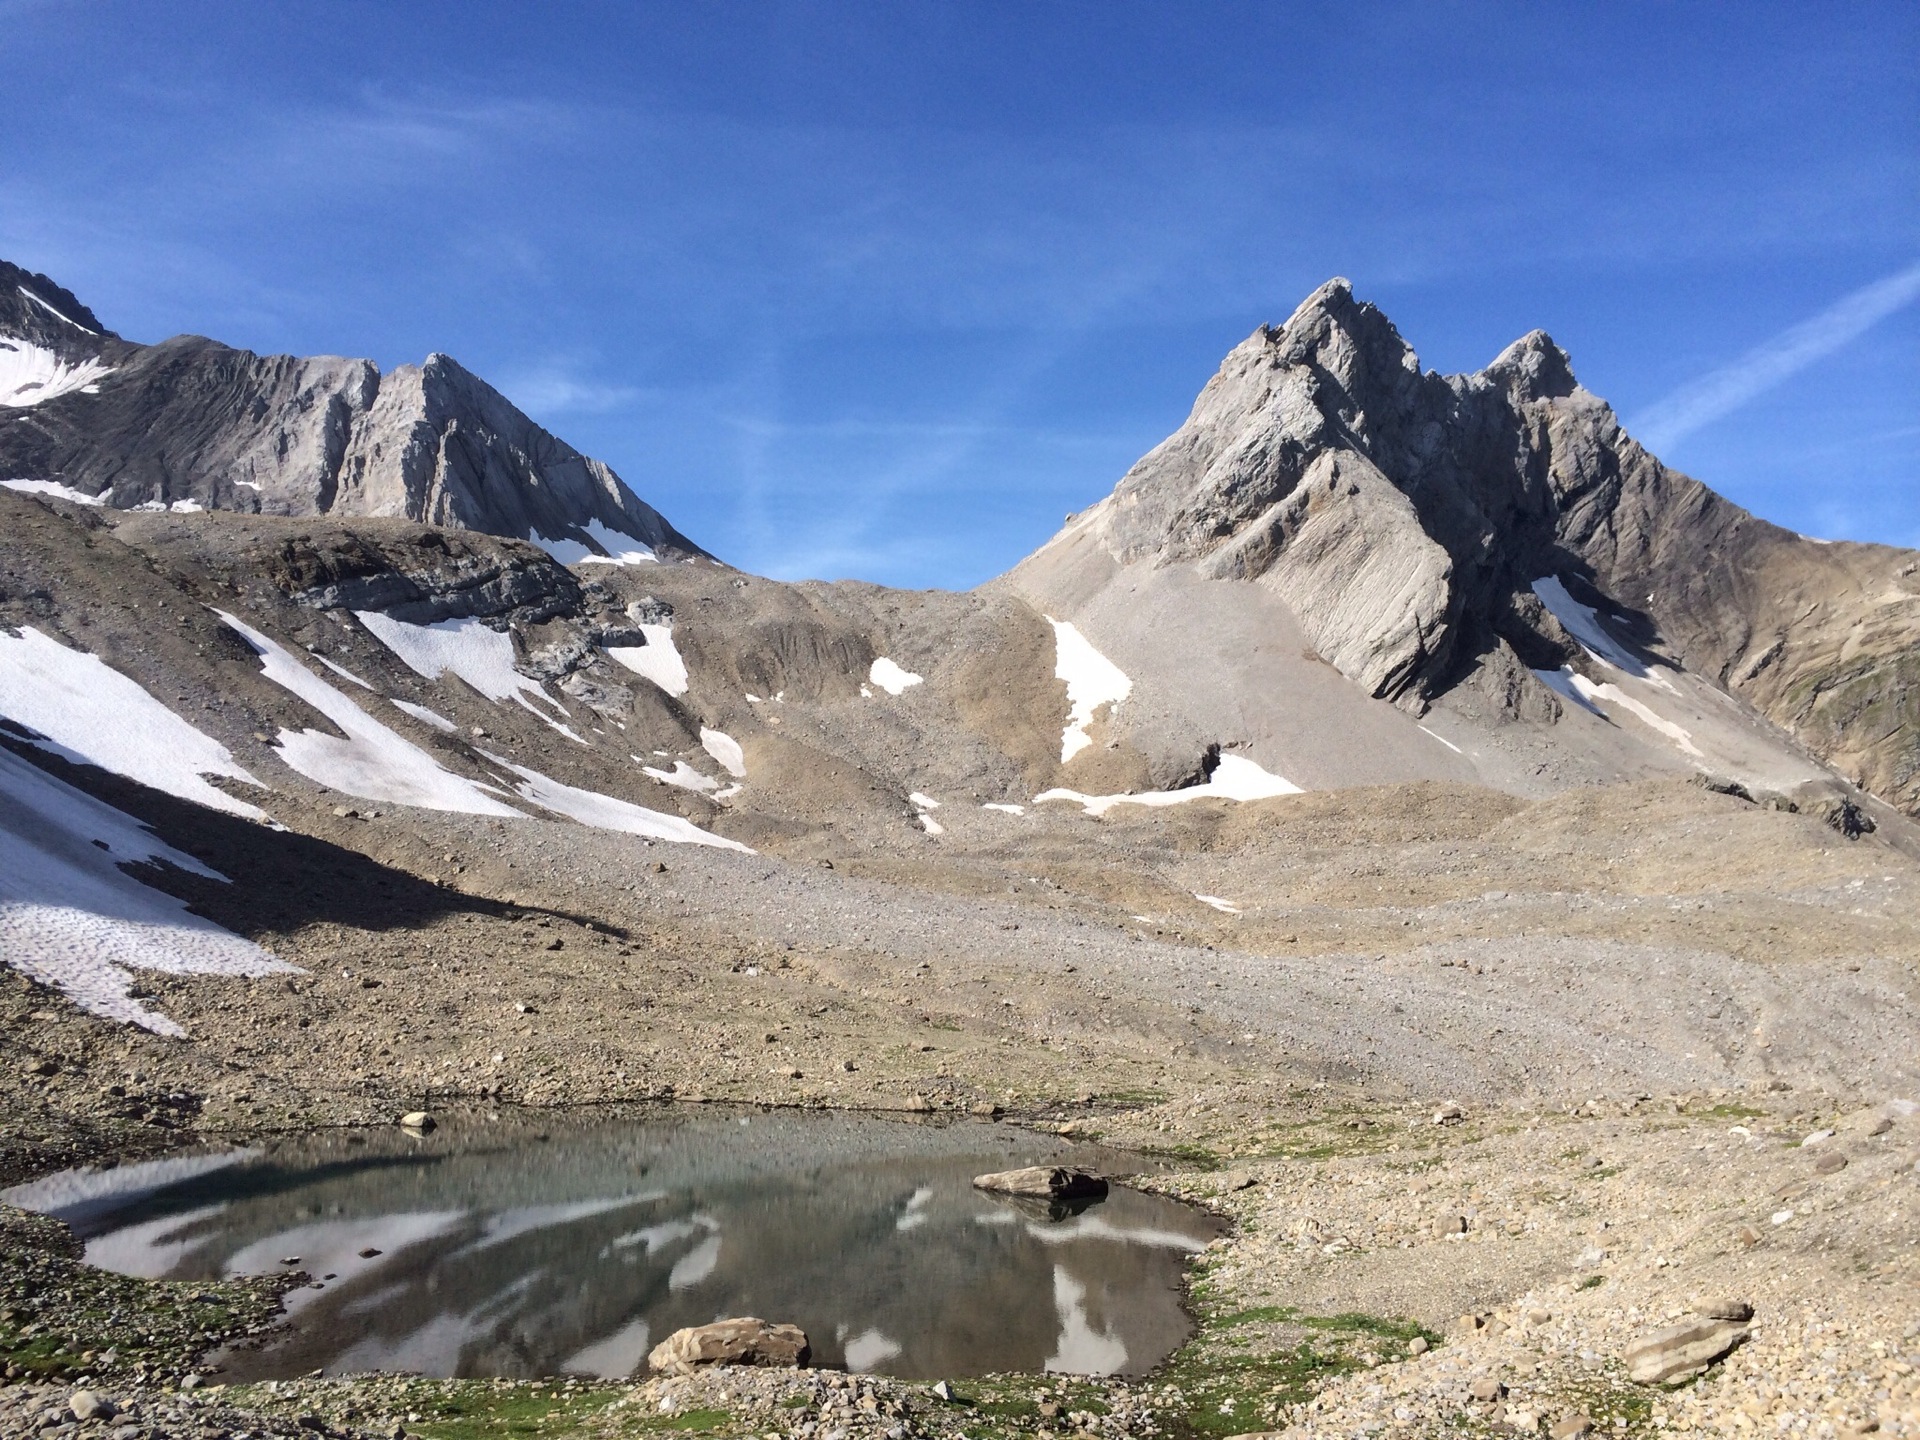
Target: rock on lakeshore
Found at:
742, 1341
1044, 1182
1684, 1350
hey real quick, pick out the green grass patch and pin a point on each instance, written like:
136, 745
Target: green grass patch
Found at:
485, 1412
1135, 1097
1592, 1282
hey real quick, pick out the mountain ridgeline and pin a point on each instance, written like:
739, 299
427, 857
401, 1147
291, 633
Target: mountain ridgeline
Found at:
194, 423
1491, 552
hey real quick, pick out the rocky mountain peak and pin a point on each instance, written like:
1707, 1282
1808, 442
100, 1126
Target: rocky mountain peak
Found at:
35, 309
191, 423
1534, 368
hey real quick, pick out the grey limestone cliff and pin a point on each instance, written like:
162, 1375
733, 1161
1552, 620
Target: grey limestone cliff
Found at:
191, 422
1404, 516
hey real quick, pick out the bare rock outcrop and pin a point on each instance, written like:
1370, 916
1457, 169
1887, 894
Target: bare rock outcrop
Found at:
1404, 517
742, 1341
194, 423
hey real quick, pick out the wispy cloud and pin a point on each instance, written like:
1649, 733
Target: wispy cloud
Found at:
556, 391
1725, 390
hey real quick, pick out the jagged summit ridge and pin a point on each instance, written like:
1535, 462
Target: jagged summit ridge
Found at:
1405, 518
193, 423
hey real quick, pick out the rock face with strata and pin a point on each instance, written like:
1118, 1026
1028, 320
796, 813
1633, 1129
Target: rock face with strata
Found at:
1681, 1351
1404, 516
193, 422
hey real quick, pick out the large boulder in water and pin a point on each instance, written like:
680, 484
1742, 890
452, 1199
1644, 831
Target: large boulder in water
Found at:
1044, 1182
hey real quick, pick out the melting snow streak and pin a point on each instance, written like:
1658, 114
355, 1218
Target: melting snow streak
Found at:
1092, 681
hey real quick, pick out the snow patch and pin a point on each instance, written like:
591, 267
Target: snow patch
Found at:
1234, 778
71, 919
1225, 907
683, 775
658, 660
48, 307
1444, 741
76, 1195
371, 762
1584, 624
724, 748
603, 812
341, 671
1092, 681
85, 711
30, 373
481, 656
426, 716
55, 489
891, 678
1004, 809
177, 507
619, 549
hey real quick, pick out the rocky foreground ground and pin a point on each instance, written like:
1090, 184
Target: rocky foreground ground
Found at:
1484, 1109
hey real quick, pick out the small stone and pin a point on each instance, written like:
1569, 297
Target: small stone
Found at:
1451, 1225
1537, 1316
1044, 1182
1485, 1388
1880, 1126
848, 1066
919, 1104
369, 1253
1725, 1309
1418, 1345
659, 867
1746, 1235
942, 1390
419, 1120
191, 1381
1570, 1427
746, 1340
92, 1405
1831, 1162
1449, 1114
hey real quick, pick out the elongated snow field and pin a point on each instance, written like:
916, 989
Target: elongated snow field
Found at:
91, 713
72, 920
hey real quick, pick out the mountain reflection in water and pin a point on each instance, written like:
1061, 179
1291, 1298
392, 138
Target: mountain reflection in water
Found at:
522, 1248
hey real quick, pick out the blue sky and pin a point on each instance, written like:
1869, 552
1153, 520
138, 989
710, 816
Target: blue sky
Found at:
883, 289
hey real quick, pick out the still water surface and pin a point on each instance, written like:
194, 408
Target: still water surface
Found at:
524, 1248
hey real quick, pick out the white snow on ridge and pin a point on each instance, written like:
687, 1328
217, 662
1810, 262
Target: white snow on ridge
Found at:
1234, 778
1584, 624
658, 660
620, 549
55, 489
891, 678
90, 713
341, 671
372, 762
682, 775
426, 716
724, 748
72, 920
48, 307
1092, 681
604, 812
30, 373
478, 654
1576, 687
